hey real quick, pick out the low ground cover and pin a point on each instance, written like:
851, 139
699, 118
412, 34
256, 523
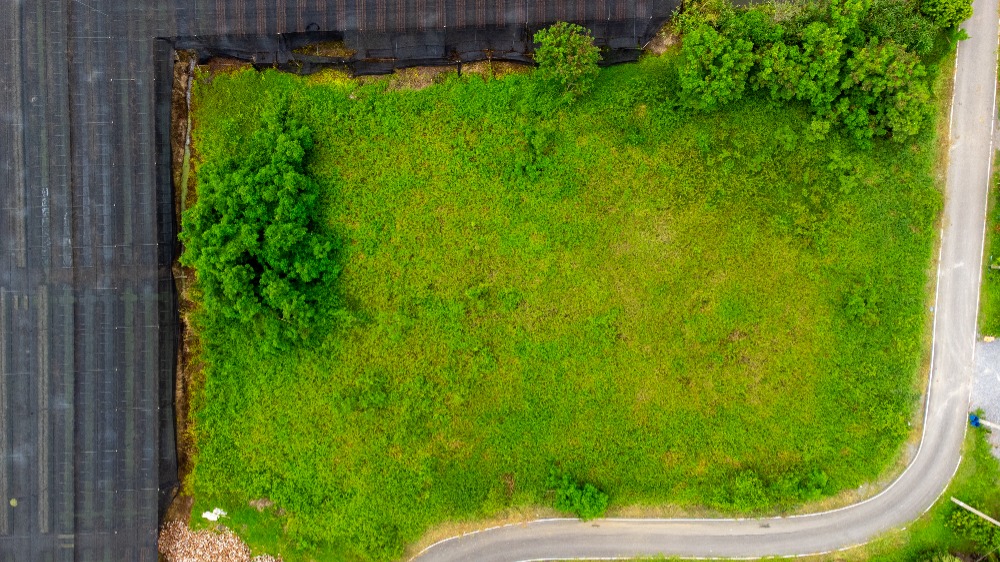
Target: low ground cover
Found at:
989, 315
703, 309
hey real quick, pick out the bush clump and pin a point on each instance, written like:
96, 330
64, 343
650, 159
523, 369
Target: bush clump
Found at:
583, 500
566, 55
856, 64
947, 13
981, 533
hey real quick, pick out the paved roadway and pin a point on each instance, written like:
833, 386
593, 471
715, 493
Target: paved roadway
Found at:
946, 408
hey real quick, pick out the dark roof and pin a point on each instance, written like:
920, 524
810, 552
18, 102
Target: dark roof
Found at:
267, 17
87, 237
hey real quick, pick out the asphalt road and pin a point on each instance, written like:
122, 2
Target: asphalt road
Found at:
947, 399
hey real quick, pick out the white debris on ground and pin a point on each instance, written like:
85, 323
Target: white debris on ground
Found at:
213, 515
178, 543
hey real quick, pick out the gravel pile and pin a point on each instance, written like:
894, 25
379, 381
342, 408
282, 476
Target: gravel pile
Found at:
180, 544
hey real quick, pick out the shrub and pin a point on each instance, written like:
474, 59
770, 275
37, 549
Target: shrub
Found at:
585, 501
884, 92
714, 69
566, 55
902, 22
947, 13
254, 238
846, 64
975, 529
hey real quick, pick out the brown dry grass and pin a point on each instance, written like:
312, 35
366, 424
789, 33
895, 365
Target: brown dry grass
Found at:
332, 49
489, 69
188, 376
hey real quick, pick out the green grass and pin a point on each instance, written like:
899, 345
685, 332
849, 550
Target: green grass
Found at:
707, 310
989, 314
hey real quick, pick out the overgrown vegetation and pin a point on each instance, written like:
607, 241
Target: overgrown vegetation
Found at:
583, 500
855, 63
263, 256
718, 309
566, 55
989, 315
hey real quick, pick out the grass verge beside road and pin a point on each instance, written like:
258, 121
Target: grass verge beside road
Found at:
989, 313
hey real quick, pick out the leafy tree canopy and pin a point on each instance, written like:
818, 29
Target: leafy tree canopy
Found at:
255, 238
567, 56
715, 67
947, 13
856, 65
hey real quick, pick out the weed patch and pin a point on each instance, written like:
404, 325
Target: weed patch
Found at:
989, 315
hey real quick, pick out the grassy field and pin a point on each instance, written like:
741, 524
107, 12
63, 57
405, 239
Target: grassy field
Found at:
708, 310
989, 315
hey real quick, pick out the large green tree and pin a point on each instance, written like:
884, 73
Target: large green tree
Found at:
260, 251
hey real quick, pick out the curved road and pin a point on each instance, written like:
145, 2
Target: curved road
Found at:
952, 367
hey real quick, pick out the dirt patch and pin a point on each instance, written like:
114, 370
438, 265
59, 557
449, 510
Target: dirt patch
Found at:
261, 504
509, 485
189, 374
180, 544
184, 64
663, 41
495, 69
414, 78
332, 49
217, 65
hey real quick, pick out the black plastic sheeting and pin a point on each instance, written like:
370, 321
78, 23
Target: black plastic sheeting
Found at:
382, 52
87, 312
88, 319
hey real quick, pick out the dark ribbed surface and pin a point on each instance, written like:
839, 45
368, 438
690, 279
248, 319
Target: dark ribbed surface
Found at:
269, 17
87, 311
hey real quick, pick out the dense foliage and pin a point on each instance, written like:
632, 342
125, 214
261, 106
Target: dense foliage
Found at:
947, 13
254, 237
856, 63
566, 55
703, 309
583, 500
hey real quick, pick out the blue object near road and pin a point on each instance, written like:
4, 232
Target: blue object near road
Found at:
974, 420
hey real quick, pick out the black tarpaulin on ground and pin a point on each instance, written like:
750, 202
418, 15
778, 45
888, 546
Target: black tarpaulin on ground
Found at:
380, 52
